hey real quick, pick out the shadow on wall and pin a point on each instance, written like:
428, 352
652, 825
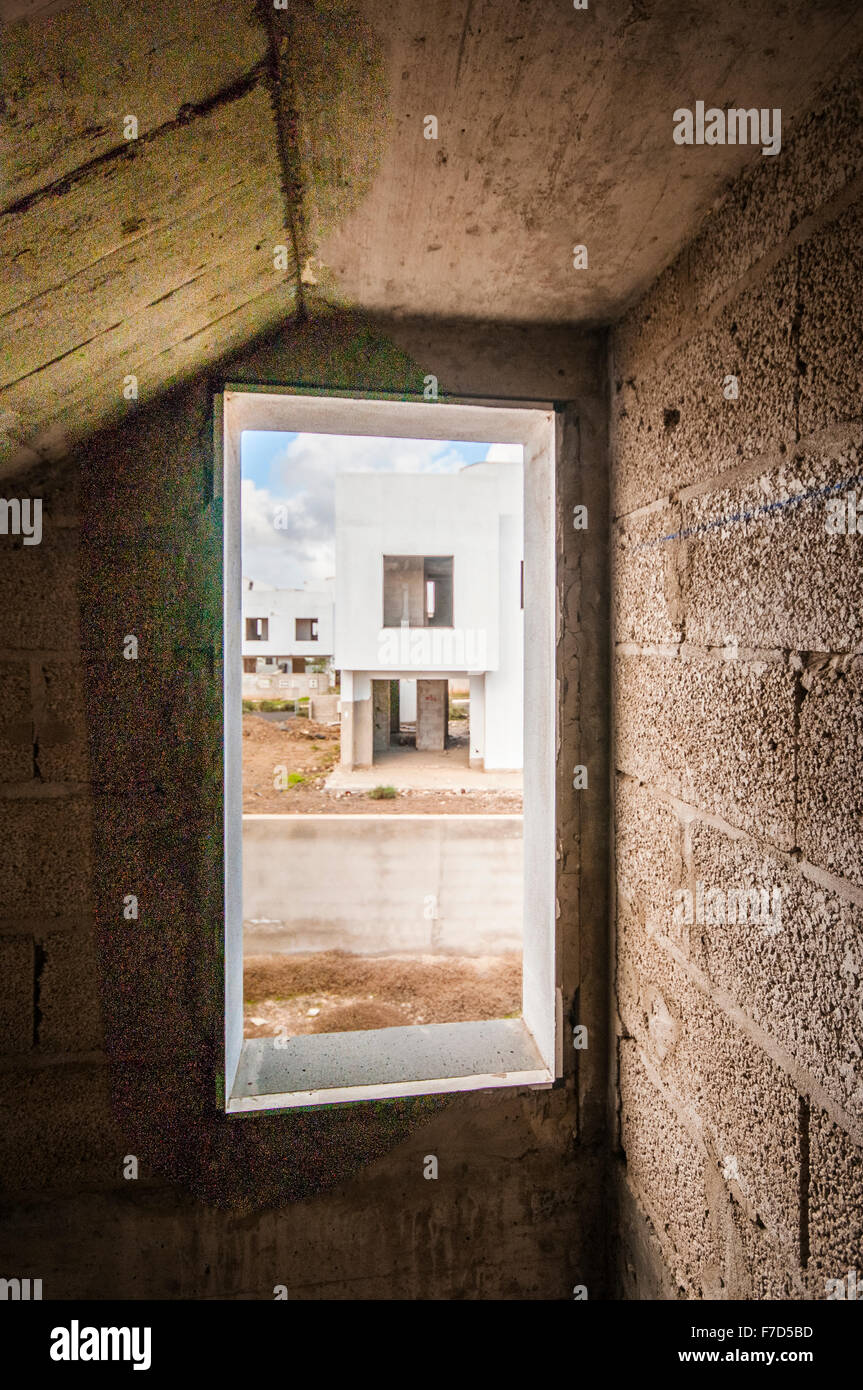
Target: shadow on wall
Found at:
151, 571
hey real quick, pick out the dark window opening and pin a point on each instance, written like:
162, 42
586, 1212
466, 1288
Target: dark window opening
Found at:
306, 629
418, 591
257, 629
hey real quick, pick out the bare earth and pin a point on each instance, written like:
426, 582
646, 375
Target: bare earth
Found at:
337, 992
312, 750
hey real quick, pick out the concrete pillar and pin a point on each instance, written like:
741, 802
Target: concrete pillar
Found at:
395, 712
381, 715
356, 720
432, 709
476, 717
408, 701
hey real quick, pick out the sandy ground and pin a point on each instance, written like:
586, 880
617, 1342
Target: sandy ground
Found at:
337, 992
312, 750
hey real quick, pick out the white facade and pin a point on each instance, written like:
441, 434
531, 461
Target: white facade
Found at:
471, 523
281, 610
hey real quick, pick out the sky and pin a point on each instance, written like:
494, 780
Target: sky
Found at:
296, 472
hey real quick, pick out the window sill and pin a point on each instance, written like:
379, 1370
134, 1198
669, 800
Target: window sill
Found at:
332, 1068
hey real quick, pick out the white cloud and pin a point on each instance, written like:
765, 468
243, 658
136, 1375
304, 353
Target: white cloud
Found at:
301, 496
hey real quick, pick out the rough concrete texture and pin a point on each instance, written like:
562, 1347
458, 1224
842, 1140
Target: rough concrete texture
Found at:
829, 790
744, 1110
16, 993
672, 423
755, 546
126, 1044
835, 1203
831, 324
798, 975
304, 128
667, 1172
734, 560
736, 611
719, 734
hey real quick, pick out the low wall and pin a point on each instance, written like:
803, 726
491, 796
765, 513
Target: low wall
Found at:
282, 685
383, 884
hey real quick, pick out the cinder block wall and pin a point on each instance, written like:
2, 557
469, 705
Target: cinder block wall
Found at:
110, 1026
738, 715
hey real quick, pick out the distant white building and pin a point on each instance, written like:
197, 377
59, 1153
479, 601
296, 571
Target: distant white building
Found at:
429, 590
287, 639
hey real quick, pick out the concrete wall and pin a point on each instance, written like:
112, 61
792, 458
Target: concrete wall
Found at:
284, 685
738, 627
112, 1028
449, 885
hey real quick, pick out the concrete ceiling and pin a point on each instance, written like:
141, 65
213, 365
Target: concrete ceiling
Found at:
303, 128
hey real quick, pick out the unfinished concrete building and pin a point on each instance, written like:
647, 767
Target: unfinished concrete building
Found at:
458, 201
428, 590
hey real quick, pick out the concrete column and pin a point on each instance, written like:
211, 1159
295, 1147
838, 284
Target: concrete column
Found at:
395, 712
356, 720
408, 701
476, 716
431, 715
381, 715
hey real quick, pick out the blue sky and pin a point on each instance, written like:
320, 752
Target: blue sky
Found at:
297, 472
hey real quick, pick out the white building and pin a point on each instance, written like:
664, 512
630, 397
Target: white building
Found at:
287, 638
429, 590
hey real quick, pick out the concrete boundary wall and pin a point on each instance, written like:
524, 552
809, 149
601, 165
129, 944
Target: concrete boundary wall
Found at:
738, 690
382, 885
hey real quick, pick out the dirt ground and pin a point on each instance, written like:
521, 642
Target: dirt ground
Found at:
337, 992
312, 750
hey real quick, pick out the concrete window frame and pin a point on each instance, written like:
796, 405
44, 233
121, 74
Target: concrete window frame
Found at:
265, 1074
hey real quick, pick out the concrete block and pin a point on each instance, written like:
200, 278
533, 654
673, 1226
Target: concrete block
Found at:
44, 857
16, 722
61, 728
652, 324
772, 196
829, 787
761, 567
646, 559
68, 985
155, 982
831, 325
162, 587
672, 426
164, 848
154, 722
16, 993
648, 856
798, 975
431, 715
668, 1174
718, 734
59, 1119
835, 1206
737, 1097
763, 1269
39, 586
